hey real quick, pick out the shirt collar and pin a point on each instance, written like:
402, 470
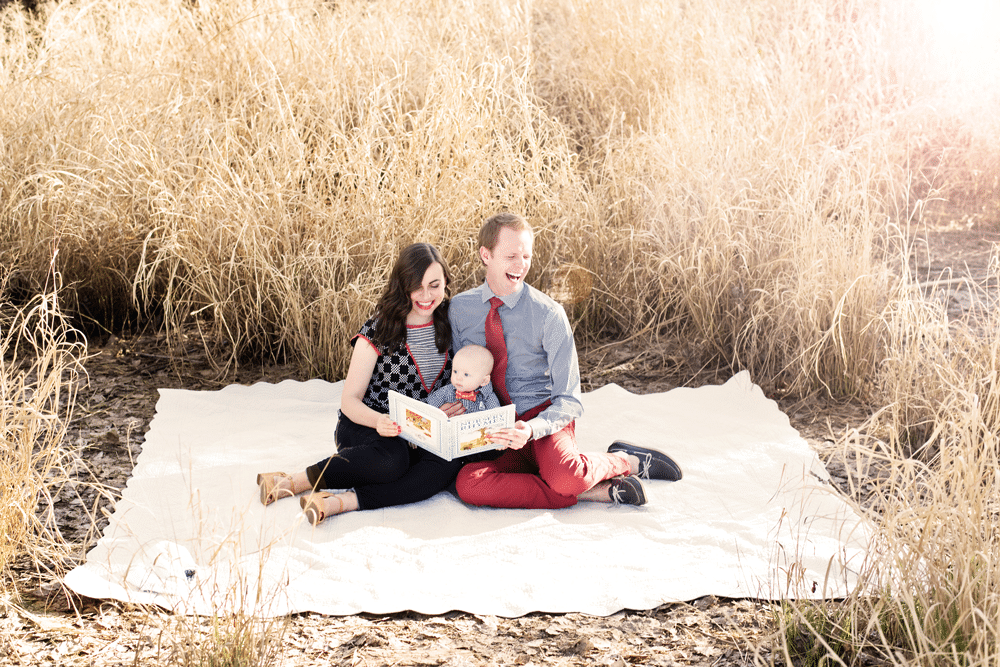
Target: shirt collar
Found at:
510, 300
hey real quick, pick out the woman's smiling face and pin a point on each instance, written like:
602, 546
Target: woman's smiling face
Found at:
508, 262
428, 296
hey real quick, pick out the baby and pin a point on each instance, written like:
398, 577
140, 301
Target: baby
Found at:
470, 381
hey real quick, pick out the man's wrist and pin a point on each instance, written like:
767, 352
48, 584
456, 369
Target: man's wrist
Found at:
535, 426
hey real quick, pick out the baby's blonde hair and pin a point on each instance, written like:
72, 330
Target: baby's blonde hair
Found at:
478, 355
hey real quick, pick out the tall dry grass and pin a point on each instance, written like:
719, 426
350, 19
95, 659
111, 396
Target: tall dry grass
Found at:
930, 594
734, 176
723, 173
39, 367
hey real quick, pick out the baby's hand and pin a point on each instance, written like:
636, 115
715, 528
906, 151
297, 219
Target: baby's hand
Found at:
386, 427
453, 409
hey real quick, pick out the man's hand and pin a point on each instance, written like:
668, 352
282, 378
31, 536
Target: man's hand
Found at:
512, 438
386, 427
453, 409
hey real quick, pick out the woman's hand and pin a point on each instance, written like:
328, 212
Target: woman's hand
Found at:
512, 438
386, 427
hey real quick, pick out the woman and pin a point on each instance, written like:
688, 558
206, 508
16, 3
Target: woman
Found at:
404, 346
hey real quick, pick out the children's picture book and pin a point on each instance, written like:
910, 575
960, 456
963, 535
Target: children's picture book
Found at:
430, 428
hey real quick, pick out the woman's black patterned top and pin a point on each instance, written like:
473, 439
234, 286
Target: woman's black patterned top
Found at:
414, 370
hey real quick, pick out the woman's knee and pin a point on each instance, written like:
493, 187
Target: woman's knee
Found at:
392, 462
375, 463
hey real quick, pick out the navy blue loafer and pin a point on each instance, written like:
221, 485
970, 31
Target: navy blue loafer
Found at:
627, 491
652, 464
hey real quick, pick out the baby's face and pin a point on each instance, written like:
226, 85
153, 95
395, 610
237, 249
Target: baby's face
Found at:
466, 375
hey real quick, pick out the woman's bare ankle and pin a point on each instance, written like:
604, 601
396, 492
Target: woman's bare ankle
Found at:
350, 501
300, 483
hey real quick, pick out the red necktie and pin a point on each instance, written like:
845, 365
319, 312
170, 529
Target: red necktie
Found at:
498, 347
465, 395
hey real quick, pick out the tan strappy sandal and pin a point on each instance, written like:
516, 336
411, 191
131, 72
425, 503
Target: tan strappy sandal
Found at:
269, 489
312, 506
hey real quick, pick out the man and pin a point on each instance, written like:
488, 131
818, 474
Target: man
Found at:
536, 369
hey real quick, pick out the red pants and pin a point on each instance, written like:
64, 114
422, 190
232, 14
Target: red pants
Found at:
547, 473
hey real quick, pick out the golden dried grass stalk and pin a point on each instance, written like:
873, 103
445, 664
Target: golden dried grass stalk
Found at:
38, 368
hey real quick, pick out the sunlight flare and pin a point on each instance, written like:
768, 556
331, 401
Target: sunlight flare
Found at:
965, 37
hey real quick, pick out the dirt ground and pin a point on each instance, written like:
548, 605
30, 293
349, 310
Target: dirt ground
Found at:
116, 404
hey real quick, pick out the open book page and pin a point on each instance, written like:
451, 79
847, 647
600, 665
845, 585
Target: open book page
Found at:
430, 428
420, 423
472, 429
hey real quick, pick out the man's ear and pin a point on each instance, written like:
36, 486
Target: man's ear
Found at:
484, 253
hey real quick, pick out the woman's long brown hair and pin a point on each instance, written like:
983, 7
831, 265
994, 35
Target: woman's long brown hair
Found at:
406, 277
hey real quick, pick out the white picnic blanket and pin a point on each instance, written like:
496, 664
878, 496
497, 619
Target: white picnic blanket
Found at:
754, 516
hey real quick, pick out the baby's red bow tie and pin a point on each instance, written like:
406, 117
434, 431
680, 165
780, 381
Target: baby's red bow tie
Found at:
465, 395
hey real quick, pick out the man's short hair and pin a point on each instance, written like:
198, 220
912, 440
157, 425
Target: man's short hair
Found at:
490, 230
